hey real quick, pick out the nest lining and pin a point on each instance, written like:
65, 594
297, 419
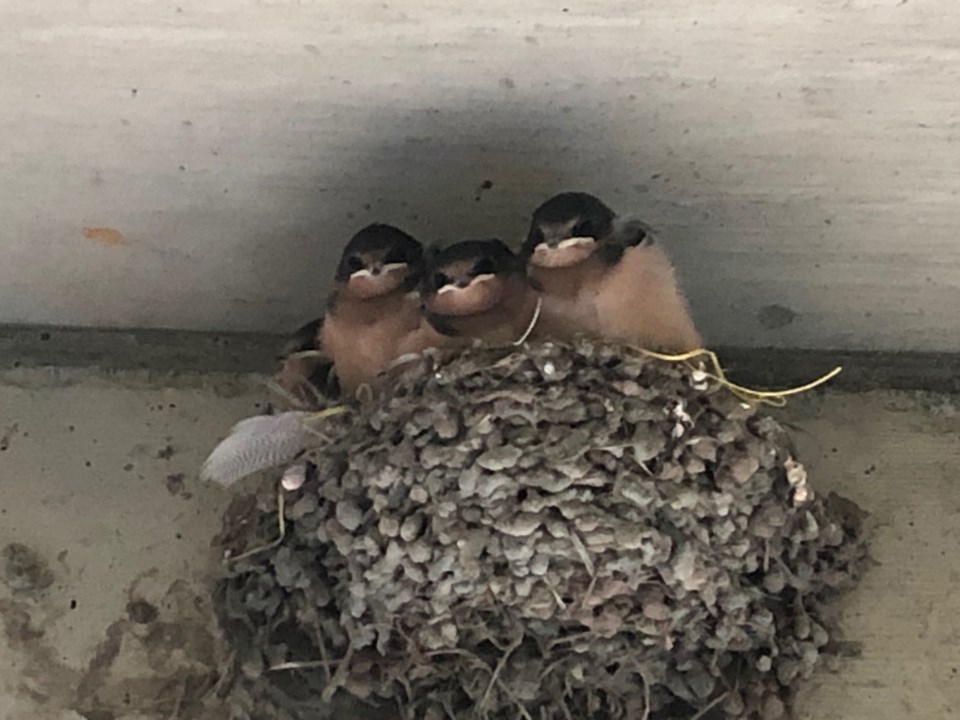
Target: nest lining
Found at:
551, 532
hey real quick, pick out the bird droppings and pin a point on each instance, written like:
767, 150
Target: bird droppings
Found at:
142, 612
166, 452
24, 570
566, 552
774, 317
482, 188
175, 483
8, 434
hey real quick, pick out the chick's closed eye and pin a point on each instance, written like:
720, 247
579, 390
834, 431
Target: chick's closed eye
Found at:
582, 229
397, 256
440, 280
484, 266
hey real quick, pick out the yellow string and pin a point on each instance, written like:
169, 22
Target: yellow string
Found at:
321, 415
328, 412
777, 398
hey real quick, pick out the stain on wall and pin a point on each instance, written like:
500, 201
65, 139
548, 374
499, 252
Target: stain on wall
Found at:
793, 153
104, 235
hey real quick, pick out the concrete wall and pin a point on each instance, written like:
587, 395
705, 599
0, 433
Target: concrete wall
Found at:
199, 163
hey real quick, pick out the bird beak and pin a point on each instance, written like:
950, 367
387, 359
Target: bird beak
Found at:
576, 242
572, 242
478, 280
480, 294
375, 280
566, 253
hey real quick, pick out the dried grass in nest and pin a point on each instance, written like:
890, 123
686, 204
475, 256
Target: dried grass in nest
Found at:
550, 532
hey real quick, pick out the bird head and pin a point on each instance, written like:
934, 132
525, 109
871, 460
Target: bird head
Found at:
567, 229
468, 277
378, 260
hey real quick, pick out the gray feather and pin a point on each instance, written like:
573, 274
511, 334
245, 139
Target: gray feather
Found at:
257, 443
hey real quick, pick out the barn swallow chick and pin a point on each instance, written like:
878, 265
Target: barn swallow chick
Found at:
604, 276
478, 289
374, 313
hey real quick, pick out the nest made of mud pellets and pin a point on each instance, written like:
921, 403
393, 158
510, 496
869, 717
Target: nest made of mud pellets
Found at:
551, 532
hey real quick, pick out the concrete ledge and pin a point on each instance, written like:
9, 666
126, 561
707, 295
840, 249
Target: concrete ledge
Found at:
153, 350
862, 370
181, 351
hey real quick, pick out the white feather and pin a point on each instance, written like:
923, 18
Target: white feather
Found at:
257, 443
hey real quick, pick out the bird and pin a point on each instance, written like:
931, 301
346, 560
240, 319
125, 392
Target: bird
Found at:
604, 276
374, 319
478, 290
373, 316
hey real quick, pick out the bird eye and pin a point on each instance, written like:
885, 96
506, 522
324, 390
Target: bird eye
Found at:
534, 237
396, 255
583, 229
353, 264
441, 279
636, 236
484, 266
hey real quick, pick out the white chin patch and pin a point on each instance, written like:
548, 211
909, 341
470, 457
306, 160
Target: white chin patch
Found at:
394, 267
361, 274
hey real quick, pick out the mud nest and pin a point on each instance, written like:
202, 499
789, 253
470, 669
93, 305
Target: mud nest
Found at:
551, 532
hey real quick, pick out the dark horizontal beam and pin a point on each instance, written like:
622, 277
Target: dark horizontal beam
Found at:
775, 368
155, 350
184, 351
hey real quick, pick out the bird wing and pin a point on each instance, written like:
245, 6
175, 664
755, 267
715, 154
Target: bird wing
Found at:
306, 373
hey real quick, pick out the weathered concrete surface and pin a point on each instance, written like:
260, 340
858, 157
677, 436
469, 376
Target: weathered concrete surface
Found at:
97, 475
199, 164
897, 455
